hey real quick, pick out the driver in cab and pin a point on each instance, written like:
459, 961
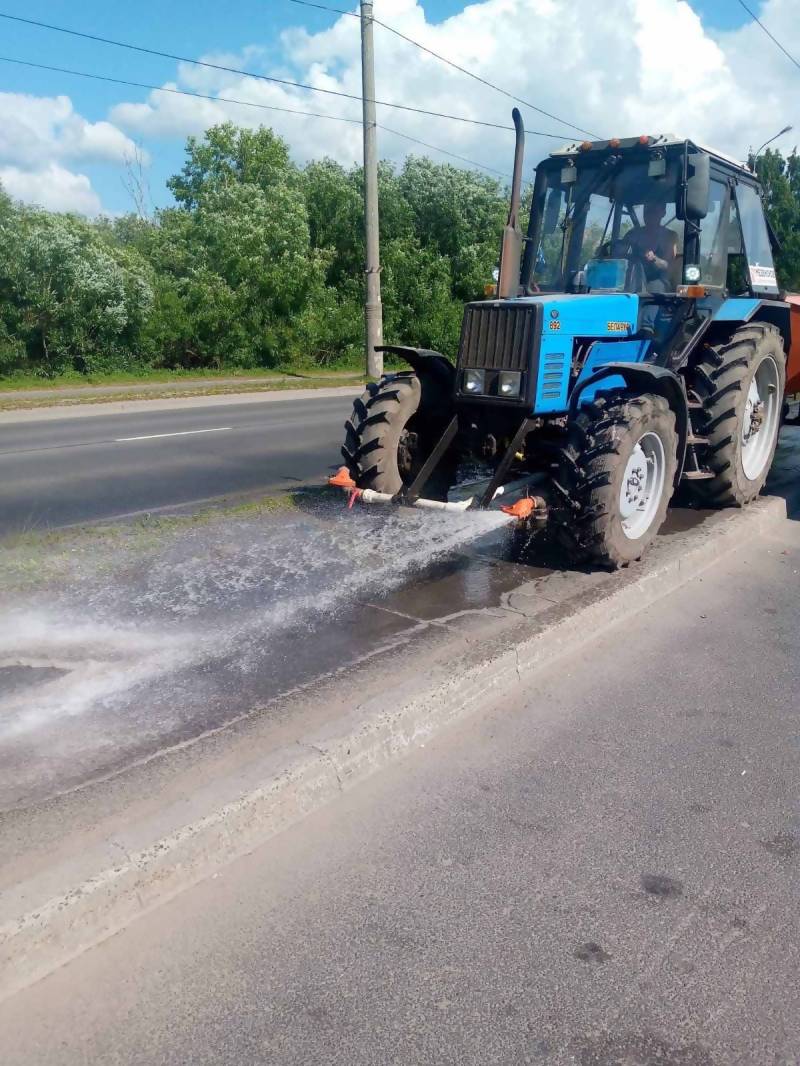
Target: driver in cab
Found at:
656, 246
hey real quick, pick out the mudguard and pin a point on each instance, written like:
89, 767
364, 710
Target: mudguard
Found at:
646, 377
425, 363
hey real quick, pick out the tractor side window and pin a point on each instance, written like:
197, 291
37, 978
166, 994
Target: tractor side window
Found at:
757, 248
714, 235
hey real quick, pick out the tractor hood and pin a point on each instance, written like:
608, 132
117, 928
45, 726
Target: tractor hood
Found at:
587, 315
534, 336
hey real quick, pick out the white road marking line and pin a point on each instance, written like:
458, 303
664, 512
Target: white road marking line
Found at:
182, 433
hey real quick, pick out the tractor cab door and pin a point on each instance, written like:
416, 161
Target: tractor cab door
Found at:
757, 245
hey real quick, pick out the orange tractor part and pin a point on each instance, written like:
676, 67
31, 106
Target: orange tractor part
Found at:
793, 363
342, 479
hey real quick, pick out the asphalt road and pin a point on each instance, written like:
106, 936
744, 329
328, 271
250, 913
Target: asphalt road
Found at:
606, 871
76, 469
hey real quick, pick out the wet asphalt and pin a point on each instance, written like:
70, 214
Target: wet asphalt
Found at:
147, 641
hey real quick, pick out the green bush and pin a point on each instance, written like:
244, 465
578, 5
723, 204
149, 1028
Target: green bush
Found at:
68, 300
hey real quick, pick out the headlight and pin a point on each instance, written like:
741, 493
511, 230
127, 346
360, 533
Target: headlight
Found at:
691, 274
510, 383
474, 380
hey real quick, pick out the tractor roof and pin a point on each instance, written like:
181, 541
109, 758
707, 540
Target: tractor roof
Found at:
663, 140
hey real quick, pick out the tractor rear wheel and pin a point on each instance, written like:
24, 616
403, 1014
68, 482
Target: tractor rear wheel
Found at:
393, 428
741, 386
618, 470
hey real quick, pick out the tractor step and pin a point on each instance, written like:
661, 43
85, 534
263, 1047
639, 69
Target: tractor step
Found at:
697, 475
694, 441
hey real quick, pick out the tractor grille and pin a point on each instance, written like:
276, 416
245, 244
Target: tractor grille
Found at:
498, 336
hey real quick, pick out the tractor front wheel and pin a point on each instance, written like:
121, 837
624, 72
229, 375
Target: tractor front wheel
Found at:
618, 473
393, 428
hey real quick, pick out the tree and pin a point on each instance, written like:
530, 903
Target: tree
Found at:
461, 215
260, 263
440, 233
419, 308
781, 181
229, 155
68, 299
236, 265
335, 220
6, 205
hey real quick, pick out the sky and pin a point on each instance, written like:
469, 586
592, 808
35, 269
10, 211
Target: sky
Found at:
700, 69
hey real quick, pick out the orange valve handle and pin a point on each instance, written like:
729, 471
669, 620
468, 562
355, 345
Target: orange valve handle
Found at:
523, 508
341, 479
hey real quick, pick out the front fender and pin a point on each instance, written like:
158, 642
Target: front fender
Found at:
425, 363
646, 377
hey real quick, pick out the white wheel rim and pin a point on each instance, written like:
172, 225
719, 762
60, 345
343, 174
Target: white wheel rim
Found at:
642, 485
760, 419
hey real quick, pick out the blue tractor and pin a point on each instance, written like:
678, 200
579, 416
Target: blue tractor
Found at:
635, 344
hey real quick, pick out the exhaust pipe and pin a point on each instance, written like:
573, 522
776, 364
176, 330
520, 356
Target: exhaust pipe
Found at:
511, 247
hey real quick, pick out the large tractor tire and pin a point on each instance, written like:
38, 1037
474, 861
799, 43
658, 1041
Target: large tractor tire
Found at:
741, 386
618, 470
393, 428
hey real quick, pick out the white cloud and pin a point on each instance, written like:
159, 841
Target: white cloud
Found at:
39, 134
33, 128
171, 116
617, 68
207, 80
52, 187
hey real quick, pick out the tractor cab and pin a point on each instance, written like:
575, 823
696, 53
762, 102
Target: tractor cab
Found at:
646, 216
658, 217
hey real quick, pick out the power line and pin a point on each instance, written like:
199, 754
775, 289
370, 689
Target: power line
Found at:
444, 151
175, 92
326, 7
450, 63
259, 77
774, 40
483, 81
239, 103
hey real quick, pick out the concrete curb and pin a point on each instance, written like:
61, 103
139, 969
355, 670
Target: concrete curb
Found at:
292, 782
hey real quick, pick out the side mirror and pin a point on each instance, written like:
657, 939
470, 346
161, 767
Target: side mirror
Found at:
693, 199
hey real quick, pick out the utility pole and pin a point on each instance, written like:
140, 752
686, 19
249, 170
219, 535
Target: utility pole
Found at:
373, 310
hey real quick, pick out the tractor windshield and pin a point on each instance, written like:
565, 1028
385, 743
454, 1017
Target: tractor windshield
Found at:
609, 226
